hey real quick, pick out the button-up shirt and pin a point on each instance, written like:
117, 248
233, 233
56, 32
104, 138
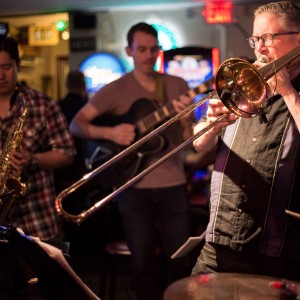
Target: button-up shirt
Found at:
254, 180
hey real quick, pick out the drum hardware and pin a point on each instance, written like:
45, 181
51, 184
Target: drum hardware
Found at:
232, 286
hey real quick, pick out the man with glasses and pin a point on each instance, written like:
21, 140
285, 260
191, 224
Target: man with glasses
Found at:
256, 175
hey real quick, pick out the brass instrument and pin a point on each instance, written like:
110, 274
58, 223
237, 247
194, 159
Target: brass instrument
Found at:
11, 186
242, 88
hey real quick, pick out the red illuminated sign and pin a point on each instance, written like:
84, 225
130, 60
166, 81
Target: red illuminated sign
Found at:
215, 59
216, 13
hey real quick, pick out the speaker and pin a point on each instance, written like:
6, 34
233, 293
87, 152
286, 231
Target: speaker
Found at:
84, 21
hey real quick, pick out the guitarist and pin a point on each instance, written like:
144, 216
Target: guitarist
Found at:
159, 200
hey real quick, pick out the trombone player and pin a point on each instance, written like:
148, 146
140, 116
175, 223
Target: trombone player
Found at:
256, 175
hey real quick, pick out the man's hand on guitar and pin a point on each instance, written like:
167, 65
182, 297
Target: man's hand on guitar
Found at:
123, 134
182, 103
186, 122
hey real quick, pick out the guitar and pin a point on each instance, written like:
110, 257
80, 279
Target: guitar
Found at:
145, 115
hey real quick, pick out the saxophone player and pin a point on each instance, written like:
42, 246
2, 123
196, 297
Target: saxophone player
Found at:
46, 144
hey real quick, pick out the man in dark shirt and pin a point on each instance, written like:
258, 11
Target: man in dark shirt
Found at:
76, 96
256, 173
74, 100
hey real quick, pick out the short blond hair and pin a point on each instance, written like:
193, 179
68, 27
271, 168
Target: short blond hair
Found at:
288, 12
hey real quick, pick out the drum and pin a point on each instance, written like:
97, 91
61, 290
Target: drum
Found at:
232, 286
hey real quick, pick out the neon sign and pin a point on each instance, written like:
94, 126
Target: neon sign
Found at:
100, 69
216, 13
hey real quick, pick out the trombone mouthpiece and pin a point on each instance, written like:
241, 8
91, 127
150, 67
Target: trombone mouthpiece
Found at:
264, 59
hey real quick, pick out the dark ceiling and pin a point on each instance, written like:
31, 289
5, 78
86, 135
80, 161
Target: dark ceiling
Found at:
29, 7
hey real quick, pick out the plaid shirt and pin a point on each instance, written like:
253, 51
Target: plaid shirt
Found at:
45, 129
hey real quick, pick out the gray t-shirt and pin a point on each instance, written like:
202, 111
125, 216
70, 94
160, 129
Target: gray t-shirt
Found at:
118, 97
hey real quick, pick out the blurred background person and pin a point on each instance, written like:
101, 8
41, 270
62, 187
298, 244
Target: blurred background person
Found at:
73, 101
76, 95
75, 98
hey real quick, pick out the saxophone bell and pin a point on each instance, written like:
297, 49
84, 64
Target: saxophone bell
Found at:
16, 185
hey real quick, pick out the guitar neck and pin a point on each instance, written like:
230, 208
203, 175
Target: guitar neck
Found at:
153, 119
166, 111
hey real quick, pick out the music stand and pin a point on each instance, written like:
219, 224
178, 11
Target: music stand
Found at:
56, 279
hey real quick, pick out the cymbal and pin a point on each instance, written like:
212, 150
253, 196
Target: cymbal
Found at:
231, 286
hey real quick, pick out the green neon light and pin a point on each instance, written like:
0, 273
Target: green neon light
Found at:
60, 25
165, 36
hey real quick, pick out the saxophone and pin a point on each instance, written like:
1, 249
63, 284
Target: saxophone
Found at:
11, 186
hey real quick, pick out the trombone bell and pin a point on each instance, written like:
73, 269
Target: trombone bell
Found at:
247, 88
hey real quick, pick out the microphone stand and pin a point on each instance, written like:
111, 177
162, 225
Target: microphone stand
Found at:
293, 214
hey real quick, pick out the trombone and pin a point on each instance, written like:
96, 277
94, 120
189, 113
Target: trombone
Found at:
242, 88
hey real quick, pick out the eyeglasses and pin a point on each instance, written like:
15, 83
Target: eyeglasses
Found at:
267, 38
